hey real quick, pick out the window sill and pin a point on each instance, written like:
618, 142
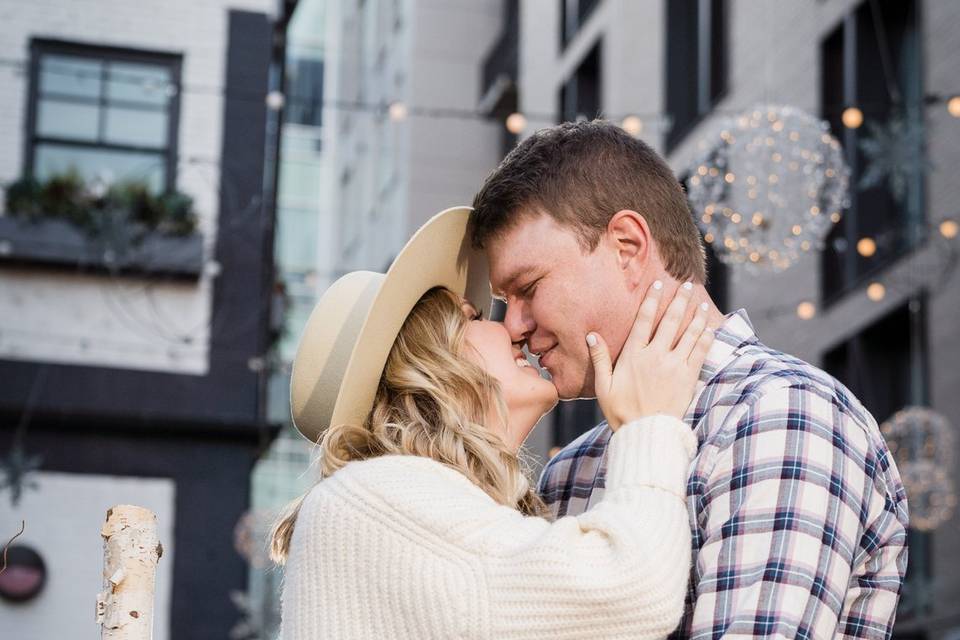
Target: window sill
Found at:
60, 245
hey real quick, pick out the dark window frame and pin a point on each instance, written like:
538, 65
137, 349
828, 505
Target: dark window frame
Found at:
711, 72
43, 46
573, 15
851, 267
589, 68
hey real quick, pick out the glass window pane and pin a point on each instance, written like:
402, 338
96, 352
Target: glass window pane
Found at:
51, 159
67, 120
140, 127
70, 75
142, 83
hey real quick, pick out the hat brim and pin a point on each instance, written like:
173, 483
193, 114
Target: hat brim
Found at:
438, 255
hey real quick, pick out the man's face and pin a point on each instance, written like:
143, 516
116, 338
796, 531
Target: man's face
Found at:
556, 293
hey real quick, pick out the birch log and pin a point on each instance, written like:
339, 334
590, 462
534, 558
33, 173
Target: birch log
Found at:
131, 550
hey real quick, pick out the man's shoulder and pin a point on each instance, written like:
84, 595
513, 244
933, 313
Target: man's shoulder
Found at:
760, 374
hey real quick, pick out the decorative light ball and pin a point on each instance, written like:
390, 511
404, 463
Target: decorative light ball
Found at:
632, 125
930, 494
921, 441
773, 176
516, 123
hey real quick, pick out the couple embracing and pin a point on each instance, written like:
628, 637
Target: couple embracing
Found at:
732, 491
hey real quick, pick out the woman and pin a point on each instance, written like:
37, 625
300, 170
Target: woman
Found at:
424, 525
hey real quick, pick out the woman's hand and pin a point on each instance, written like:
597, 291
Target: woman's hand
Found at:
652, 376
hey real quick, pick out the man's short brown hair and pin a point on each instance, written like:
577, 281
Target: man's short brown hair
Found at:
581, 174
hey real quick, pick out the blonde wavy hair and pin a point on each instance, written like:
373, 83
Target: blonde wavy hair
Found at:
430, 402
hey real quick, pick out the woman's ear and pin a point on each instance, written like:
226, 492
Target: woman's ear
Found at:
630, 237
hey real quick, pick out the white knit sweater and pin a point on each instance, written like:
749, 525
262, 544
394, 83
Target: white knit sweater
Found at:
405, 547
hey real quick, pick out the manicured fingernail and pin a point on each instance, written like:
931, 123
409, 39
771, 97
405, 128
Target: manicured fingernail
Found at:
703, 306
658, 285
688, 285
591, 340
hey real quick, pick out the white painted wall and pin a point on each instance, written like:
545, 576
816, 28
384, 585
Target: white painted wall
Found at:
63, 519
128, 323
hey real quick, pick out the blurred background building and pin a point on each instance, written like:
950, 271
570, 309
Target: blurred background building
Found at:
383, 113
136, 286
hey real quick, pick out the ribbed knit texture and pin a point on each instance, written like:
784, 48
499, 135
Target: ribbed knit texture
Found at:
405, 547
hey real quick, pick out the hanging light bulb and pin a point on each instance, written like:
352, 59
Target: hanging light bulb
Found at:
806, 310
632, 125
876, 291
398, 111
516, 123
866, 247
852, 117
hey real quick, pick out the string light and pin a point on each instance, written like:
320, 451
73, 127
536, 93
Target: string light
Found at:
852, 118
953, 106
398, 111
806, 310
866, 247
275, 100
949, 228
632, 125
876, 291
516, 123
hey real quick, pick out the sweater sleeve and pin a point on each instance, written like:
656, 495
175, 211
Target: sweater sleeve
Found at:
618, 570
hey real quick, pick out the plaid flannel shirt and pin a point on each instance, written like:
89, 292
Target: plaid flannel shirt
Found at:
798, 513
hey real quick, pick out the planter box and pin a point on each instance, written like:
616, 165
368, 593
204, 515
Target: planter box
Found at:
55, 243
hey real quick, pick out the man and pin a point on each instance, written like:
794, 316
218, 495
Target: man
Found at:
798, 512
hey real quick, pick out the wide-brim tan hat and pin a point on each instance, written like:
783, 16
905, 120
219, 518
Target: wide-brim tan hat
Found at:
344, 347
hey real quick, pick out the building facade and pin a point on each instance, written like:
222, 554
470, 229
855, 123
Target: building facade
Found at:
877, 306
136, 284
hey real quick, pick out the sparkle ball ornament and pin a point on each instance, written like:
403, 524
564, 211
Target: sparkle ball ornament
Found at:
921, 441
768, 186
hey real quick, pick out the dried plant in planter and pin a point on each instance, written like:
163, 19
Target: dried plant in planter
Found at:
130, 204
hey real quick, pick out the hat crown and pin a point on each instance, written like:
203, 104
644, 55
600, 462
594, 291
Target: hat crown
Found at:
328, 341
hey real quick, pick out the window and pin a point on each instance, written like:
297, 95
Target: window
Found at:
696, 62
100, 110
580, 96
573, 15
852, 74
885, 367
305, 91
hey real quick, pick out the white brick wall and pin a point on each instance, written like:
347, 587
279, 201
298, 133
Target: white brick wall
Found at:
98, 320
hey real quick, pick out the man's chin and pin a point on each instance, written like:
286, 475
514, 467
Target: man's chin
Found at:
566, 391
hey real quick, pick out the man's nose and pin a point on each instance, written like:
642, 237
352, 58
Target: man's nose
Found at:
518, 323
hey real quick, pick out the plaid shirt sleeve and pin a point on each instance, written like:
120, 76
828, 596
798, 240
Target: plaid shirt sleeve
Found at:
796, 533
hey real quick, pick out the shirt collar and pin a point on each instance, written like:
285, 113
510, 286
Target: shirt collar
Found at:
735, 332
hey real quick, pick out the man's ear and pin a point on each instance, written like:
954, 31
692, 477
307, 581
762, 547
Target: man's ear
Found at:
630, 237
